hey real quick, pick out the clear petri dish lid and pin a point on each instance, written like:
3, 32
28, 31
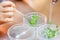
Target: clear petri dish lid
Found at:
49, 32
35, 19
17, 32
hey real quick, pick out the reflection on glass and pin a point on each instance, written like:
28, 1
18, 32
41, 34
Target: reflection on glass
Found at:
35, 19
19, 32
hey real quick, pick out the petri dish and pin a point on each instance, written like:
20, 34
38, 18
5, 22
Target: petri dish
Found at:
49, 32
20, 32
34, 19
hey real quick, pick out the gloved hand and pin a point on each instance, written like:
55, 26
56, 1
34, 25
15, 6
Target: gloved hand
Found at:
6, 11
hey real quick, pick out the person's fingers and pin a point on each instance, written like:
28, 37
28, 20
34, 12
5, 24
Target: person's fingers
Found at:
8, 4
7, 9
7, 14
7, 20
2, 21
6, 17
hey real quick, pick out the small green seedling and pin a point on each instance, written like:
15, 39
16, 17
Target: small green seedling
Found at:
50, 33
33, 20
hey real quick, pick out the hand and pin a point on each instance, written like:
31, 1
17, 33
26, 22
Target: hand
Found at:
6, 11
6, 15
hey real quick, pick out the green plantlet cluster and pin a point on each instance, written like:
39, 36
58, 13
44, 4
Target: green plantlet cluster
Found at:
50, 33
33, 20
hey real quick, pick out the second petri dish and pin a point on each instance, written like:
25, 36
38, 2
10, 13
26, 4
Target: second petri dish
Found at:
20, 32
49, 32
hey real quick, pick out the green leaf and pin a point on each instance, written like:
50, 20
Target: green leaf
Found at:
50, 22
33, 20
49, 33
